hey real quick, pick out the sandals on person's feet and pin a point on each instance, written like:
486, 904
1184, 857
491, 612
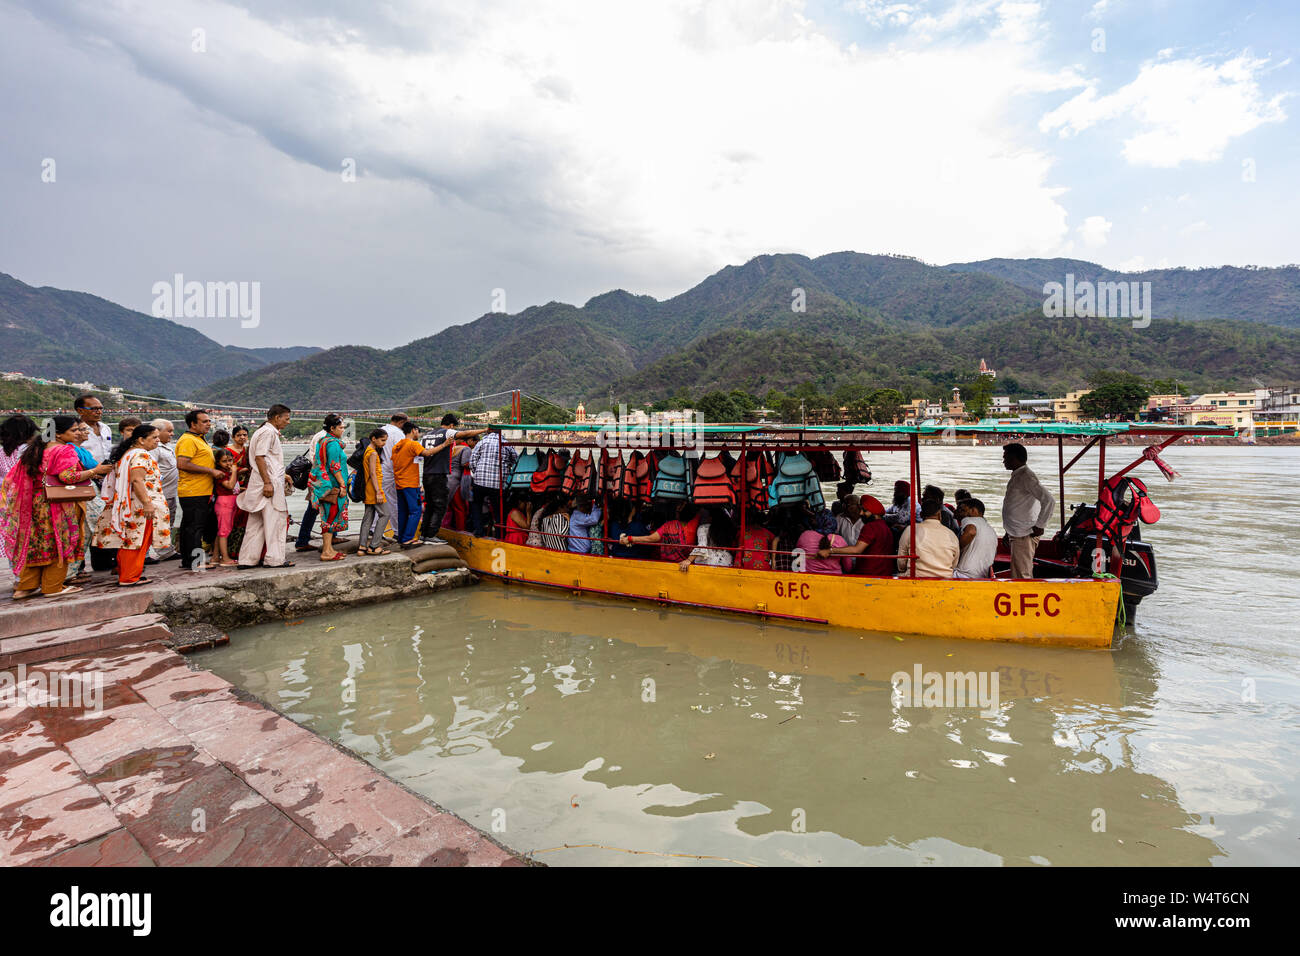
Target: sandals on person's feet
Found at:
131, 584
339, 556
378, 551
24, 595
72, 590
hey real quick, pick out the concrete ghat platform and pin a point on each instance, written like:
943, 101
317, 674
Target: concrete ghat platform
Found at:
225, 598
177, 767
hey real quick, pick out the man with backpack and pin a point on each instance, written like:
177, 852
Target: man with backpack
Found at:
436, 469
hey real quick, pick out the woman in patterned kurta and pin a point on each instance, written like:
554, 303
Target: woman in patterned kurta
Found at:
139, 517
41, 536
328, 486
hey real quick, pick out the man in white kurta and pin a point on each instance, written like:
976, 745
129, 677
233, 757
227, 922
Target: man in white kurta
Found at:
265, 497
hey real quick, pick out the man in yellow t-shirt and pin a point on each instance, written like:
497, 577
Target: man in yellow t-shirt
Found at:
194, 462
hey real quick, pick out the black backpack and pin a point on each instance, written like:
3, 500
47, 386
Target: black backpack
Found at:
358, 453
299, 471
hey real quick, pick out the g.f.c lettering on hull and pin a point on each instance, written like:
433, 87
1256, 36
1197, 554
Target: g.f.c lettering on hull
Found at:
1065, 612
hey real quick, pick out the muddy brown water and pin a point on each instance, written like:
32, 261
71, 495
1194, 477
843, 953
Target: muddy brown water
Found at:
703, 739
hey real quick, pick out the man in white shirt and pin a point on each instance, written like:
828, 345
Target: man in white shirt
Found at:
265, 499
979, 542
395, 434
165, 455
849, 522
936, 547
1026, 509
91, 411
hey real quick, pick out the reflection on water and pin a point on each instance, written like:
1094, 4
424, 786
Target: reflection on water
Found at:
581, 721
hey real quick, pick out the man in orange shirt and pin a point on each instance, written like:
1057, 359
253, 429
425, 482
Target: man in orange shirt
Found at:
406, 477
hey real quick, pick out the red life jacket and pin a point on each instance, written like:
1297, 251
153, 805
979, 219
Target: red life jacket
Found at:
757, 469
580, 476
856, 469
825, 465
712, 486
637, 478
551, 478
611, 471
1124, 502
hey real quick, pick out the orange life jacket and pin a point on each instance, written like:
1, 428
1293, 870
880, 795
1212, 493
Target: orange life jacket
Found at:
551, 478
757, 470
611, 471
712, 486
580, 477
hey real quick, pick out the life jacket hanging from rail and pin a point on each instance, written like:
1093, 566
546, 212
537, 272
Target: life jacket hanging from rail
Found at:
1123, 502
580, 476
550, 479
672, 480
521, 475
793, 482
712, 484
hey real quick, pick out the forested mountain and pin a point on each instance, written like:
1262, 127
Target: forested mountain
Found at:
53, 333
1267, 295
774, 322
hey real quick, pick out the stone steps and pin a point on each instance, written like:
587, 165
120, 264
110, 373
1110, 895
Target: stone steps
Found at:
39, 614
80, 639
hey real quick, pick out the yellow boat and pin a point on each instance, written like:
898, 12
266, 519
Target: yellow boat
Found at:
1060, 609
1070, 612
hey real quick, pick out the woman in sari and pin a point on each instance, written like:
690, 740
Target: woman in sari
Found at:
327, 489
15, 432
138, 517
42, 536
239, 448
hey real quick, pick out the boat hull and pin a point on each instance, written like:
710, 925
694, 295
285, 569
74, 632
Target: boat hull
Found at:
1064, 612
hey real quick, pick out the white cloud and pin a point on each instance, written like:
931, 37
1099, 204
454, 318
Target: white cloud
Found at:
1095, 231
622, 123
1194, 227
1185, 110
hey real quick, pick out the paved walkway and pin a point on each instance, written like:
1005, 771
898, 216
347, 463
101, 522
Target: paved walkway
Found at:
175, 768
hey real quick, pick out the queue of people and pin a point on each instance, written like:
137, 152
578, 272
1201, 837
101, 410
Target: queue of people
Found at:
68, 488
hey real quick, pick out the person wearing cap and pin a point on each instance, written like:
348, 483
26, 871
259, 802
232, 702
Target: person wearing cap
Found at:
875, 541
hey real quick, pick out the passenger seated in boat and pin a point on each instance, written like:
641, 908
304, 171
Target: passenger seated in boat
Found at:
676, 531
756, 544
584, 525
875, 540
823, 536
946, 514
849, 521
896, 515
534, 539
790, 522
626, 518
518, 520
555, 525
979, 542
937, 549
715, 539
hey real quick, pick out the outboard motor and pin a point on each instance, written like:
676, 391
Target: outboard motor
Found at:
1123, 503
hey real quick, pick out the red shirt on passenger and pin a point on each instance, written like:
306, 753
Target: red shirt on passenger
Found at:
880, 540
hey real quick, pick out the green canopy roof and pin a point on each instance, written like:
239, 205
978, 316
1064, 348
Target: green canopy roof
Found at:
923, 429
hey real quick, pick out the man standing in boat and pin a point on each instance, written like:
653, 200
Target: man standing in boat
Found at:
1026, 509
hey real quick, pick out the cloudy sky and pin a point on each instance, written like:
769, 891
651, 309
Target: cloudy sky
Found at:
556, 150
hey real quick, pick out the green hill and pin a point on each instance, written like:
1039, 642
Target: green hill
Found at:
1270, 296
53, 333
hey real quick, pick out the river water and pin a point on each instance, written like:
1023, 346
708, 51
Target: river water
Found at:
581, 729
